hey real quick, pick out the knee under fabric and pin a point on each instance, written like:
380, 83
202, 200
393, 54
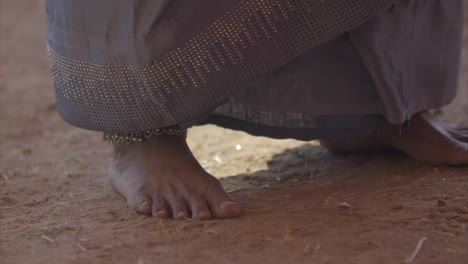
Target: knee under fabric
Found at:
249, 41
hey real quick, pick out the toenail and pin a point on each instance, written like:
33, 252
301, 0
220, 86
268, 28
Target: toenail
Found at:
181, 216
227, 204
202, 215
161, 214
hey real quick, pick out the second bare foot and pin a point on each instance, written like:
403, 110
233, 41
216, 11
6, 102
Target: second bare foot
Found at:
423, 138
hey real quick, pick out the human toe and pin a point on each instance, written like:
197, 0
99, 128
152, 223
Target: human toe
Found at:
140, 202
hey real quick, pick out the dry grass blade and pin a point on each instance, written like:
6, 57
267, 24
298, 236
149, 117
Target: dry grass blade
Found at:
317, 248
81, 247
416, 250
211, 231
287, 234
48, 239
307, 248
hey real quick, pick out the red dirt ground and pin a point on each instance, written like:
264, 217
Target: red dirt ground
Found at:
56, 207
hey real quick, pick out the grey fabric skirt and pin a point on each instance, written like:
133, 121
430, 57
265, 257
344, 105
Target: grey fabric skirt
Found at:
270, 68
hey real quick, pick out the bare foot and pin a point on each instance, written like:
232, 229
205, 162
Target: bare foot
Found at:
423, 138
161, 177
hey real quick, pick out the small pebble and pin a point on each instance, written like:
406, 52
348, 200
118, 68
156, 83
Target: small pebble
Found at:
345, 205
441, 203
27, 151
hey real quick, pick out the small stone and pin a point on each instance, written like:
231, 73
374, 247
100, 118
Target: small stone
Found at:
217, 159
345, 205
27, 151
441, 203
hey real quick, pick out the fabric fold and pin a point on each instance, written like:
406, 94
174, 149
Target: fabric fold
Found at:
249, 41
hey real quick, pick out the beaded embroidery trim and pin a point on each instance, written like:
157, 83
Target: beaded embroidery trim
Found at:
129, 138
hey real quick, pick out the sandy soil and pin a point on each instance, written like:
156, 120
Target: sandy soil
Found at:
56, 207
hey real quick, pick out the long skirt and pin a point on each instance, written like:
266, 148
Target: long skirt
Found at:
304, 69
